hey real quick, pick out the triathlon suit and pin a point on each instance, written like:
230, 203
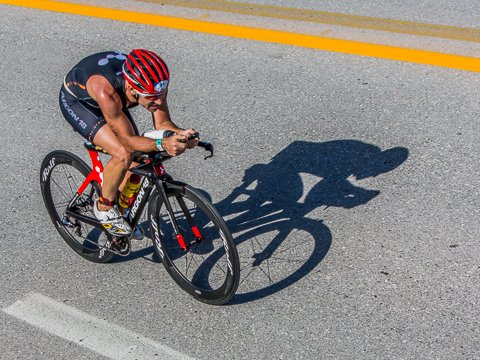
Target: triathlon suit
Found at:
78, 108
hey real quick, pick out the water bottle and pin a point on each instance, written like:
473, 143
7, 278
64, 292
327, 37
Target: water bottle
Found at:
127, 196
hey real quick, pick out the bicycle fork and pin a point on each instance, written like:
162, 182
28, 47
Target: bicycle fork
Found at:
188, 216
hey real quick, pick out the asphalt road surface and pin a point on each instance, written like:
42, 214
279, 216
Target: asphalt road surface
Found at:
350, 184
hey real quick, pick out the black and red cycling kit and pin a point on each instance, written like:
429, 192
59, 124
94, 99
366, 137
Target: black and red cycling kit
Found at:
79, 109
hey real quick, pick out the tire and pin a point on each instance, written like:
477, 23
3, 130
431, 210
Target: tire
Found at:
61, 175
208, 270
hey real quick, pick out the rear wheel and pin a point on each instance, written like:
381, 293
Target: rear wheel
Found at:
61, 175
209, 268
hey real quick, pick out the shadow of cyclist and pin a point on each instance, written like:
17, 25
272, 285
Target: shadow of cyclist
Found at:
272, 205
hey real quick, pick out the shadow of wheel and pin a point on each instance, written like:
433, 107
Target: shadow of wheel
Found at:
275, 256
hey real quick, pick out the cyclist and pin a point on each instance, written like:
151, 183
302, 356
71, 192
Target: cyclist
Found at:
95, 99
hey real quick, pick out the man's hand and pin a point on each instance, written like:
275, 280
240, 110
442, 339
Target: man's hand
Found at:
175, 145
191, 137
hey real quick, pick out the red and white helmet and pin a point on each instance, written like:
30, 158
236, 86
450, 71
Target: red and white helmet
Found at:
146, 72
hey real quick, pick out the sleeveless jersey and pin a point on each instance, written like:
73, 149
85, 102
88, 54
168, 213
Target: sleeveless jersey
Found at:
107, 64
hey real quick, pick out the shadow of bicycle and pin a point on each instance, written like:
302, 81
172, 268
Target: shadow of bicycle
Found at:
269, 214
272, 214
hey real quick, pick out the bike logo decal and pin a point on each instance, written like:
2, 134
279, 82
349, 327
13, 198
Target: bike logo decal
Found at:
47, 170
139, 198
225, 244
161, 86
117, 55
157, 237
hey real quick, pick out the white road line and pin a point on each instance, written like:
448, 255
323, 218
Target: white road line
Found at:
85, 330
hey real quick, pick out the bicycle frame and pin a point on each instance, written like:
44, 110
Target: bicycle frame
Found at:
96, 175
158, 177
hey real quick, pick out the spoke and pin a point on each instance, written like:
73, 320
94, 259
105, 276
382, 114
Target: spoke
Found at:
260, 267
268, 269
193, 259
252, 270
215, 276
65, 194
69, 178
216, 263
61, 204
221, 269
204, 265
188, 263
290, 247
252, 244
267, 274
64, 183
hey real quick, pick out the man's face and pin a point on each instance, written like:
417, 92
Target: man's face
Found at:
152, 103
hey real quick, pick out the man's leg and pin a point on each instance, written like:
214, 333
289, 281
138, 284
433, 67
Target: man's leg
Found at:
89, 122
113, 174
116, 168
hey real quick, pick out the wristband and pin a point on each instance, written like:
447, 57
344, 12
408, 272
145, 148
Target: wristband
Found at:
158, 142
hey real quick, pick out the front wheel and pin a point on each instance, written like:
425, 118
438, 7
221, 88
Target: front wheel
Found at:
209, 268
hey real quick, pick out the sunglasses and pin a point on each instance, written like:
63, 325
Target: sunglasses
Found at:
152, 97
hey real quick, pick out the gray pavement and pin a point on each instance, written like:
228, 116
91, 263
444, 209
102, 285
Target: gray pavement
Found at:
358, 239
459, 13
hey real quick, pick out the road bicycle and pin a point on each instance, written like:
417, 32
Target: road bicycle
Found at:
189, 236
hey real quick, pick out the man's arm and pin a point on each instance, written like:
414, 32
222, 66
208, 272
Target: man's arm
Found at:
111, 105
162, 121
161, 118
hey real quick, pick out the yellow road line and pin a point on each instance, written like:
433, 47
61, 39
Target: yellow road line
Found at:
280, 37
323, 17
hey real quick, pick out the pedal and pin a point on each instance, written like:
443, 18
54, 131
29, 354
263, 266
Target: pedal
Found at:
120, 246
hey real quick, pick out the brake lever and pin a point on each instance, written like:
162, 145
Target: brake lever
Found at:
191, 137
207, 146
